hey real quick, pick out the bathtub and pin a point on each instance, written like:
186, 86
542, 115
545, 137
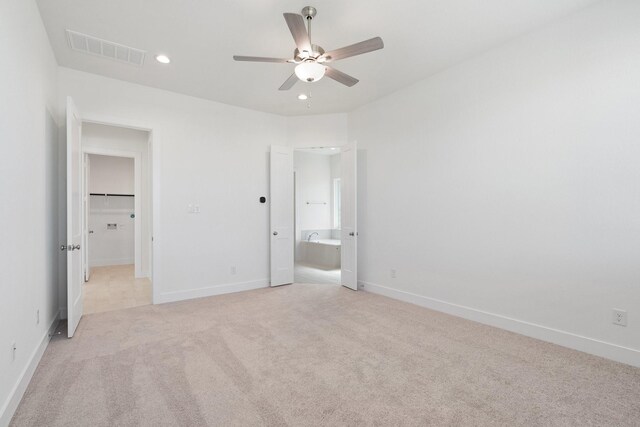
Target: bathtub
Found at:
322, 252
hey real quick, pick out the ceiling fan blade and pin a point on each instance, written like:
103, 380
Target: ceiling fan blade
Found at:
258, 59
340, 77
288, 84
298, 31
355, 49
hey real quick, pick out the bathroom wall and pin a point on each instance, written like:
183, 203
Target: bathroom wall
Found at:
111, 227
313, 184
335, 173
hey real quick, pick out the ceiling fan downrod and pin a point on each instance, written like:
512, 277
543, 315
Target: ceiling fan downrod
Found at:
309, 12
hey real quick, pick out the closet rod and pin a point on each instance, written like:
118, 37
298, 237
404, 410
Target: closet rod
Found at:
110, 194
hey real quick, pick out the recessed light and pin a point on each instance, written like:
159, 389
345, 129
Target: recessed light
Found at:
333, 148
163, 59
302, 97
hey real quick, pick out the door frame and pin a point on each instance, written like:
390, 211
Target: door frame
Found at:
137, 202
155, 248
86, 174
338, 148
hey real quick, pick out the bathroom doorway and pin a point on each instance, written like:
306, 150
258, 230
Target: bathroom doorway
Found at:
317, 219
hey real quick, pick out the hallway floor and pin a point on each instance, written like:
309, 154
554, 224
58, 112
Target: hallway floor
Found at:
113, 288
308, 273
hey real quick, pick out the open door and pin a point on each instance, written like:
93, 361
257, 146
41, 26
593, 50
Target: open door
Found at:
282, 230
85, 216
348, 216
75, 274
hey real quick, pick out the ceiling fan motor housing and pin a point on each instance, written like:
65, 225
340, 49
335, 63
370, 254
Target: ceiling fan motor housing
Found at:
316, 52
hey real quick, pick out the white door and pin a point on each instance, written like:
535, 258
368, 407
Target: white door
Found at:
348, 216
282, 234
74, 218
85, 210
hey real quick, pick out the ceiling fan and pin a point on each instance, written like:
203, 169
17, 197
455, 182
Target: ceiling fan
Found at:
310, 59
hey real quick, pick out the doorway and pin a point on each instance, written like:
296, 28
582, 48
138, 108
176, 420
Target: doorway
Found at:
317, 189
320, 255
110, 213
103, 136
116, 218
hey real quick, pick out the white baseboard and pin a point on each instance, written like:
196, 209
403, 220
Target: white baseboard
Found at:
211, 291
13, 400
141, 274
566, 339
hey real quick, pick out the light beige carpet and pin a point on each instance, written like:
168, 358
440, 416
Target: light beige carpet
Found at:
316, 355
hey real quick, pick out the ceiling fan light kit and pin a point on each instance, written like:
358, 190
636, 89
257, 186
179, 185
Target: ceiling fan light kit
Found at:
310, 59
310, 71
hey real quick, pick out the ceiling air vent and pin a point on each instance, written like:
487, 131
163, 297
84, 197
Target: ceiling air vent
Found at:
106, 49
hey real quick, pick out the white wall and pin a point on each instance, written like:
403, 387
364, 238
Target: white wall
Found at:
313, 184
206, 153
323, 130
507, 188
109, 246
28, 185
111, 174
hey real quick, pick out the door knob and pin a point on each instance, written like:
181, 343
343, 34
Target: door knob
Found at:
275, 233
63, 247
352, 234
76, 247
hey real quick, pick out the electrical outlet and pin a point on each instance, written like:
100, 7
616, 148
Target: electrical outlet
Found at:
13, 351
619, 317
392, 273
38, 317
233, 270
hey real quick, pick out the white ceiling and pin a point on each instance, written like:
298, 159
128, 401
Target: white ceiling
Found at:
421, 38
